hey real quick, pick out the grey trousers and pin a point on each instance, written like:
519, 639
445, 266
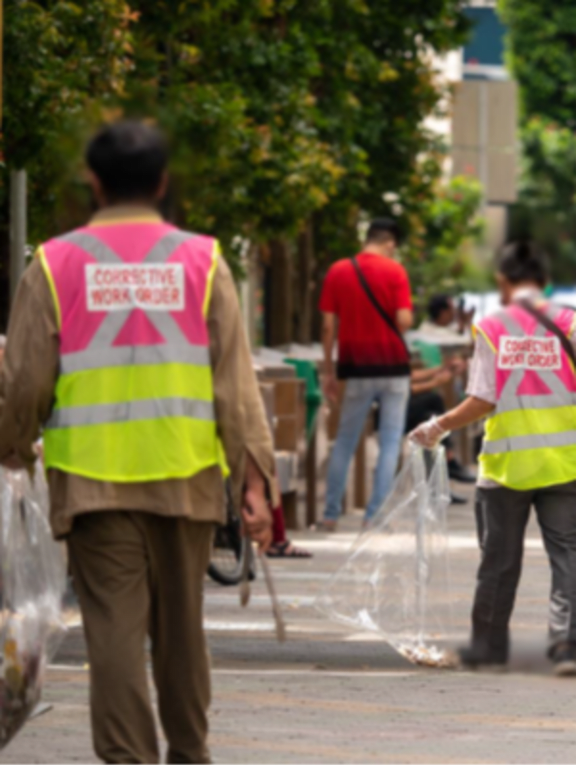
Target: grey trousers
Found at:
502, 515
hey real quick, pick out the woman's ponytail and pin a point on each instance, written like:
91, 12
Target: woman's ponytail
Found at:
523, 262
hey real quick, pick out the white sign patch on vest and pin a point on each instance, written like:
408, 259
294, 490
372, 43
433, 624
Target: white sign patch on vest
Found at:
533, 353
121, 286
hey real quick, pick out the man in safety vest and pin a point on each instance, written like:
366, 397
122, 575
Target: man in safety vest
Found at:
126, 347
523, 380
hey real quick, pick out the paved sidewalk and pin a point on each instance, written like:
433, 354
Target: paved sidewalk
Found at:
326, 716
331, 695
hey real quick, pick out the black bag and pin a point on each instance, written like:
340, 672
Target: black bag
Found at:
547, 322
389, 321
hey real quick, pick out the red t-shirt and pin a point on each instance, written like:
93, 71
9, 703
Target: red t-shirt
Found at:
367, 346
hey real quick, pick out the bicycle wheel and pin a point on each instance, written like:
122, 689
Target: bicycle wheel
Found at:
228, 551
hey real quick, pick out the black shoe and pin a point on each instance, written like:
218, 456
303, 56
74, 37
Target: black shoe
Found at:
458, 472
564, 658
456, 499
474, 658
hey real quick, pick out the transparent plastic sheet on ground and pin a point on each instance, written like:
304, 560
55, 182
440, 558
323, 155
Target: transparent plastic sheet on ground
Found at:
396, 579
32, 584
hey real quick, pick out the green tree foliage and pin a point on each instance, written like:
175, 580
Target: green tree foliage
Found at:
385, 86
549, 177
547, 207
541, 44
60, 57
443, 228
232, 83
291, 105
285, 115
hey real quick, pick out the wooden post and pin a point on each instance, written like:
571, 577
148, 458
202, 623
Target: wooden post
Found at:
304, 284
290, 507
311, 479
18, 227
281, 298
465, 446
1, 59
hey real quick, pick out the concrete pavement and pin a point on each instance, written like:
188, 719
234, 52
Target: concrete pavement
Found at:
333, 695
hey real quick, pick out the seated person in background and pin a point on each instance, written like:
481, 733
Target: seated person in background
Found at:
445, 321
425, 402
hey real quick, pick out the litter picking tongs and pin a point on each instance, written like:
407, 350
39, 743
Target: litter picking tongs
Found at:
245, 591
276, 610
245, 580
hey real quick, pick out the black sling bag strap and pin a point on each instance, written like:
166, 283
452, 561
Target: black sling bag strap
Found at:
547, 322
377, 306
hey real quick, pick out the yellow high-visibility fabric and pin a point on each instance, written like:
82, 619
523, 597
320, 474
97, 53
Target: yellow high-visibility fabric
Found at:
41, 255
145, 450
141, 450
114, 385
478, 330
530, 422
531, 468
216, 253
526, 469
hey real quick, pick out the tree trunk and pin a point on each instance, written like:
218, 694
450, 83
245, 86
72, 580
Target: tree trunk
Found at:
305, 284
316, 321
4, 275
280, 305
250, 290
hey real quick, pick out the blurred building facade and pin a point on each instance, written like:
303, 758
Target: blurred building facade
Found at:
481, 128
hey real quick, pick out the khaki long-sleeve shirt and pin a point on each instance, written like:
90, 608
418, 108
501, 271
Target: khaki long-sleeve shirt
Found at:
28, 379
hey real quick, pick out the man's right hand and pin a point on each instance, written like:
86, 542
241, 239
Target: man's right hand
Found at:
257, 517
331, 387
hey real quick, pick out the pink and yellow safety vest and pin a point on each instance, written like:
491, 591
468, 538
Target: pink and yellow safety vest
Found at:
530, 440
134, 398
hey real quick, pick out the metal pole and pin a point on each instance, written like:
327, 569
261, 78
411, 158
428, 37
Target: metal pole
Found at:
245, 290
18, 228
1, 57
245, 304
483, 136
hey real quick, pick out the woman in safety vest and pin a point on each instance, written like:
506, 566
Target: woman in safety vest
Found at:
523, 380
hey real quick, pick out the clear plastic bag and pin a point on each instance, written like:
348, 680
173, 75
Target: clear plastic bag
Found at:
396, 579
32, 584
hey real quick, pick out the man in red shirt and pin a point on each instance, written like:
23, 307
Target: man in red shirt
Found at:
368, 299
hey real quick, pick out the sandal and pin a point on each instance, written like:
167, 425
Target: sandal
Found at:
287, 550
327, 527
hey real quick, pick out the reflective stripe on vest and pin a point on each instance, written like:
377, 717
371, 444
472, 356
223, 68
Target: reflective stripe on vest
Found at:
148, 406
530, 441
522, 443
131, 411
138, 355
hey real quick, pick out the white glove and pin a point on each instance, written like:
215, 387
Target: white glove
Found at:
429, 434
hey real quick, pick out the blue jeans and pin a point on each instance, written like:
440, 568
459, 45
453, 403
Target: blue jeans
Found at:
392, 394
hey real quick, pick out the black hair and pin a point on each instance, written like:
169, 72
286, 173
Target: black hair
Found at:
129, 158
524, 261
437, 304
383, 229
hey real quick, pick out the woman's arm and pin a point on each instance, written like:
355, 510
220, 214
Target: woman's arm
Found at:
470, 410
430, 433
